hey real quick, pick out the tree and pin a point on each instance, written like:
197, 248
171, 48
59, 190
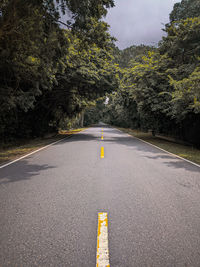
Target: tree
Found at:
182, 47
47, 73
159, 90
185, 9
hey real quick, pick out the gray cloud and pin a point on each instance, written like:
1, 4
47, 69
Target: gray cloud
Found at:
138, 21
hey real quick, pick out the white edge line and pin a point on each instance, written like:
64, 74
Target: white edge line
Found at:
174, 155
35, 151
9, 163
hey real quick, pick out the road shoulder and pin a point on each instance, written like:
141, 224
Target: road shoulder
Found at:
13, 153
184, 152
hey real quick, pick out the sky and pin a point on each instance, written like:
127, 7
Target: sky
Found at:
135, 22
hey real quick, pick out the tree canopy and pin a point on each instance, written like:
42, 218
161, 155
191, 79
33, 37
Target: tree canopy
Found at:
159, 88
48, 73
185, 9
51, 76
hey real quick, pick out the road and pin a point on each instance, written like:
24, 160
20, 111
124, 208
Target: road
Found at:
49, 204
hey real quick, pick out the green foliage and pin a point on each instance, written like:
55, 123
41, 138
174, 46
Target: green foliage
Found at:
185, 9
48, 74
133, 53
186, 96
182, 44
82, 10
182, 47
94, 113
159, 88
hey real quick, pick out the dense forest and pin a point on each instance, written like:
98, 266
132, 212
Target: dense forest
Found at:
54, 72
159, 87
50, 74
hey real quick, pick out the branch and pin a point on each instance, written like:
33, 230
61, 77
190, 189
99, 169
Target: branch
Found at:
64, 24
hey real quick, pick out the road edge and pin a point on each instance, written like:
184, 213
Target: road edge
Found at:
37, 150
172, 154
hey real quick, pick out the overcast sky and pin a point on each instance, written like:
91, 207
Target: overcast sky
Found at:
139, 21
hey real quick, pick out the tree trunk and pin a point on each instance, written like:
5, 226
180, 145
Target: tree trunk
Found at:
82, 119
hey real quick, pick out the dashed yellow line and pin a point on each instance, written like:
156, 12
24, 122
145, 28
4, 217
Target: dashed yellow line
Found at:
102, 152
102, 134
102, 259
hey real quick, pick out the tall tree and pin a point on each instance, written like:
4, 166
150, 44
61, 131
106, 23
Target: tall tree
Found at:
185, 9
47, 72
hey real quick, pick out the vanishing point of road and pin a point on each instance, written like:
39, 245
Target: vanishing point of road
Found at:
96, 190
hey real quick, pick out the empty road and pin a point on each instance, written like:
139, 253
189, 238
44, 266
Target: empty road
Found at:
49, 204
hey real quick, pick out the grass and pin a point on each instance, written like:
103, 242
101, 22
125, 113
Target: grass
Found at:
184, 151
14, 150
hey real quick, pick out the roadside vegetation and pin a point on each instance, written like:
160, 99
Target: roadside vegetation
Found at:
159, 87
49, 74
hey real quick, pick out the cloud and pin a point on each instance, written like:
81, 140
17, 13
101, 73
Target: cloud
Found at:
139, 21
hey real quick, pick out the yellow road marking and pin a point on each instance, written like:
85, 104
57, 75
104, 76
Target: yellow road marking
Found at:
102, 259
102, 137
102, 152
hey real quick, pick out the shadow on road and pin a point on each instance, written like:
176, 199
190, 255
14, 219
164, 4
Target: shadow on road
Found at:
81, 137
21, 171
148, 151
154, 153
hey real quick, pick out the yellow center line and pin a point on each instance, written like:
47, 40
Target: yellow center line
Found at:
102, 137
102, 152
102, 259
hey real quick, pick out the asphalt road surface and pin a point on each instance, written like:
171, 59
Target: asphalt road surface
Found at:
49, 204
